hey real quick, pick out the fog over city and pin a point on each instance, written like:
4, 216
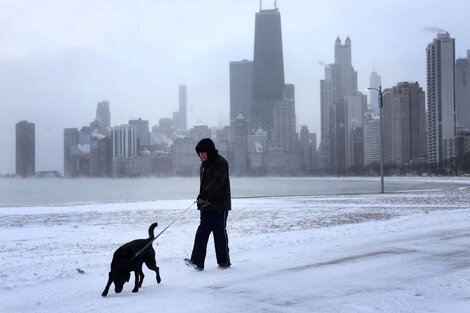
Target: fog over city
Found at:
58, 59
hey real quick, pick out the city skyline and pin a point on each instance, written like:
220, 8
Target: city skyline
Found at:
55, 70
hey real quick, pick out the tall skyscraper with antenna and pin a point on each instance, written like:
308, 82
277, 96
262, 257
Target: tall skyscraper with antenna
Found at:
268, 68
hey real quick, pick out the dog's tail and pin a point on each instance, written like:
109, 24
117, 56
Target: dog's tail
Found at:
151, 229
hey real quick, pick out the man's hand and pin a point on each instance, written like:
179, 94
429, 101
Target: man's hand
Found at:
202, 200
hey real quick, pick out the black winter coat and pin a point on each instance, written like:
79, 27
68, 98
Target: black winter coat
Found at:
215, 182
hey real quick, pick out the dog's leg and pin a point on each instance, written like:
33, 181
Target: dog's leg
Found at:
152, 265
136, 281
141, 278
106, 289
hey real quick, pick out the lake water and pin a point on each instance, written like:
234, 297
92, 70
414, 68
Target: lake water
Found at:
56, 191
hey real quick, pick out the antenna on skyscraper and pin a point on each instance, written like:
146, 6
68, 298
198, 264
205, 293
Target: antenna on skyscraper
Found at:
260, 5
275, 4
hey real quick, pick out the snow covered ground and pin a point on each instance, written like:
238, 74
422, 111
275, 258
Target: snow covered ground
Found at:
402, 252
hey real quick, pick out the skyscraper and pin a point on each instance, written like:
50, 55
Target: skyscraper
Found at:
374, 82
440, 67
142, 132
462, 92
283, 134
103, 118
180, 117
124, 141
240, 145
241, 90
183, 105
356, 105
268, 68
371, 139
405, 123
100, 156
71, 141
327, 98
305, 149
25, 149
124, 147
340, 81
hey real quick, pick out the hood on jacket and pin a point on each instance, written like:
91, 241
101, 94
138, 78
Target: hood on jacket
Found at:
207, 145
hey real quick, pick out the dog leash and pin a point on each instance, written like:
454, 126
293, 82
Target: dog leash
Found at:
153, 239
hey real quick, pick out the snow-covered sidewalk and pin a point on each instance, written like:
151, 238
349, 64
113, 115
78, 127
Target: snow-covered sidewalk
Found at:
403, 252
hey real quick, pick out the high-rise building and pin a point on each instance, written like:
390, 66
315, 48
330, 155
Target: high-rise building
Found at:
356, 158
440, 67
185, 160
314, 157
124, 141
374, 82
100, 156
340, 81
405, 124
305, 149
257, 145
356, 106
71, 142
240, 145
283, 133
142, 132
268, 68
371, 139
183, 105
181, 117
241, 90
327, 98
199, 131
462, 92
25, 149
103, 118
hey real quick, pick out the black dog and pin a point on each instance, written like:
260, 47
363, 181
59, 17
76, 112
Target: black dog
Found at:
126, 259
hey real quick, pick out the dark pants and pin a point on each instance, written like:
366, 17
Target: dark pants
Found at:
215, 222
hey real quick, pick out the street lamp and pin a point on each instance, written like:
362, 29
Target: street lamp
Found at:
381, 149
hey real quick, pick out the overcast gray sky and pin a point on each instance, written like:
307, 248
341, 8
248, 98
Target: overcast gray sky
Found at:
59, 58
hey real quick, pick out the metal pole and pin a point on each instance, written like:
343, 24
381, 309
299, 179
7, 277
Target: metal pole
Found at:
381, 141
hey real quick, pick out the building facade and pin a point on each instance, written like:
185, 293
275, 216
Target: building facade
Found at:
462, 92
441, 118
240, 145
142, 133
103, 118
124, 148
181, 117
375, 81
71, 141
340, 81
268, 68
371, 139
25, 149
405, 124
241, 91
101, 158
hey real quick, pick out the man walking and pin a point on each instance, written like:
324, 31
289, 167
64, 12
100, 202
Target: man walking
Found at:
214, 202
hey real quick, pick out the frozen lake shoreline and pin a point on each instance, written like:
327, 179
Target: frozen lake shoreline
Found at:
400, 252
70, 192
